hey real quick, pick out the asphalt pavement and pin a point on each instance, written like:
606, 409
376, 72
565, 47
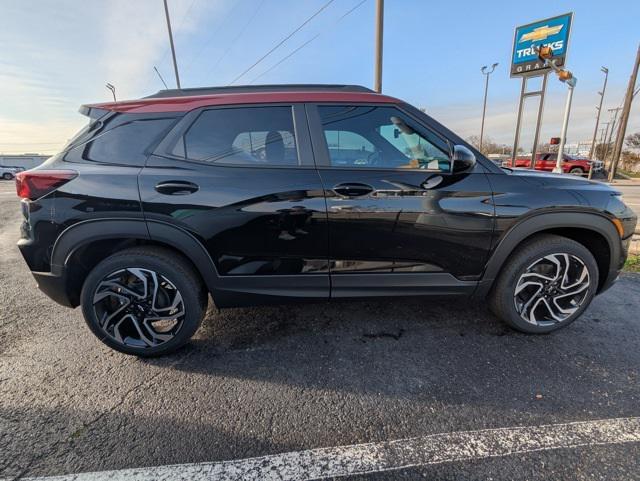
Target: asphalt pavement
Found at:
289, 379
630, 193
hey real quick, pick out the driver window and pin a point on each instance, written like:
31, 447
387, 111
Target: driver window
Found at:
348, 148
380, 137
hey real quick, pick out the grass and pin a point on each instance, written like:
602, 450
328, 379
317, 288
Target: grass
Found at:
633, 263
634, 175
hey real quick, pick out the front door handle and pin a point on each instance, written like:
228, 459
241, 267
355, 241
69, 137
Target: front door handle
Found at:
353, 189
176, 187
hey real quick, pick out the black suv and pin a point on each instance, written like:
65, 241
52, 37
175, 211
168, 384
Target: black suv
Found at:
301, 192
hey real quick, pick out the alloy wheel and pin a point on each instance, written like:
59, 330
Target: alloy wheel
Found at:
551, 289
138, 307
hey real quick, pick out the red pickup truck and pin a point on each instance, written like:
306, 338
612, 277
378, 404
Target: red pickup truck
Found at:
547, 161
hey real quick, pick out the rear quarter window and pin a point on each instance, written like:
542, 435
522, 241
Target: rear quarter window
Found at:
126, 143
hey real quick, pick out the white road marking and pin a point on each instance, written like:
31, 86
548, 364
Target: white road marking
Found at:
323, 463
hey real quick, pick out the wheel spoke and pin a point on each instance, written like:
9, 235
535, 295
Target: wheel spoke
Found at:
552, 289
133, 303
526, 305
551, 310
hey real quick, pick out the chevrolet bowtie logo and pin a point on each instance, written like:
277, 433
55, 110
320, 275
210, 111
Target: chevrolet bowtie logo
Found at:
541, 33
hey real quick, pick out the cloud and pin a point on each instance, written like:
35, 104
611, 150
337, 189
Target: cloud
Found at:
67, 54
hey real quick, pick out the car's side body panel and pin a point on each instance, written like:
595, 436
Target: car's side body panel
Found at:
270, 233
264, 227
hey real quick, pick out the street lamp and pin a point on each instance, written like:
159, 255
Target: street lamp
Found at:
545, 53
113, 90
486, 72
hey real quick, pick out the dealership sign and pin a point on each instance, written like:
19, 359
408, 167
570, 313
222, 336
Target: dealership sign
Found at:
552, 32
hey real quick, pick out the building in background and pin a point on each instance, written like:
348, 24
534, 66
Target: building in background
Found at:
26, 161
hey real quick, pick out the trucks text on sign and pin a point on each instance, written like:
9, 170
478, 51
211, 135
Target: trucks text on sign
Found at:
552, 32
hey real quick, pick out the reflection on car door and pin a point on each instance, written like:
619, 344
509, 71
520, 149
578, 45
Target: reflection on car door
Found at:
399, 222
242, 181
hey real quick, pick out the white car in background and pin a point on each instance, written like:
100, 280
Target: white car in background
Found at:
8, 173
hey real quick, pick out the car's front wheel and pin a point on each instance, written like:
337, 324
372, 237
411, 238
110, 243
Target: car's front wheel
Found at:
144, 301
7, 176
547, 284
576, 171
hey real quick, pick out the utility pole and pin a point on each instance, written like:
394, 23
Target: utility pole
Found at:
486, 72
624, 118
379, 40
599, 108
604, 131
613, 127
173, 49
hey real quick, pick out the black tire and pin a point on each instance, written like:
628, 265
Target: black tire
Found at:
7, 176
576, 171
176, 276
532, 255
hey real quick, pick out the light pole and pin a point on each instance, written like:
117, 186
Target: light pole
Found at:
379, 41
113, 90
571, 82
173, 49
545, 53
599, 108
486, 72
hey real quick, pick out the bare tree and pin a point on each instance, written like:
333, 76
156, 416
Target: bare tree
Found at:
633, 140
488, 145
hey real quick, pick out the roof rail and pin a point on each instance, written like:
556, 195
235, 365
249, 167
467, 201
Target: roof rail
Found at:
189, 92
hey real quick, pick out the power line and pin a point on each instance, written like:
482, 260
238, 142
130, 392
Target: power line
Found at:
184, 17
307, 42
215, 30
281, 42
235, 40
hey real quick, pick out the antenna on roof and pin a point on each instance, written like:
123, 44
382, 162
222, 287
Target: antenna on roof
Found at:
161, 79
113, 90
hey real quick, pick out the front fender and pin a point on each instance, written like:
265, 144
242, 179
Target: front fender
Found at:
545, 221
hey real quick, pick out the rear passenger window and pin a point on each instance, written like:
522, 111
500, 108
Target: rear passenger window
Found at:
242, 136
124, 144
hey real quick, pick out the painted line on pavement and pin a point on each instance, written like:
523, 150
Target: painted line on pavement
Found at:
356, 459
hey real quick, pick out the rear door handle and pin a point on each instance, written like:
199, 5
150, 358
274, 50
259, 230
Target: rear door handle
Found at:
176, 187
353, 189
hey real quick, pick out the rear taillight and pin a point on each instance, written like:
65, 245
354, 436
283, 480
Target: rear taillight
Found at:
34, 184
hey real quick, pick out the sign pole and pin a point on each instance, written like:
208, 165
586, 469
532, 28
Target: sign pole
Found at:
518, 120
536, 136
551, 34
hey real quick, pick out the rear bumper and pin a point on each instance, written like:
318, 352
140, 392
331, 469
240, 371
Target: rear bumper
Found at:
54, 287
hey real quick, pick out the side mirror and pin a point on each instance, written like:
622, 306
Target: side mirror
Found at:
463, 159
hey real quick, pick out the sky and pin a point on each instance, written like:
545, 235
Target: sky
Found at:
58, 55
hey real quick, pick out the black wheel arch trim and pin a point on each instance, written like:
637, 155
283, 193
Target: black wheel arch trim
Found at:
84, 232
546, 220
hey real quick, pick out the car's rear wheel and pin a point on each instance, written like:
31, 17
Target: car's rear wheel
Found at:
7, 176
143, 301
576, 171
547, 284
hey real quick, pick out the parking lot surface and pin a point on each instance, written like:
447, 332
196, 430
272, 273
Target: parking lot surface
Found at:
266, 381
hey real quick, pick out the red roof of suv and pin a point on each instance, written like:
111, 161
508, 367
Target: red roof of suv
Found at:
188, 99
